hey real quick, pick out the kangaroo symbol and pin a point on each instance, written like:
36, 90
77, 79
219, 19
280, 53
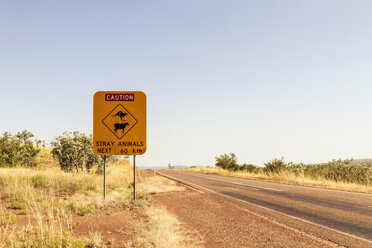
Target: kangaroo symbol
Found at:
120, 114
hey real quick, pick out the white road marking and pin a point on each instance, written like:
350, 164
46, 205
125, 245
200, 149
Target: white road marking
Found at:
287, 215
293, 185
241, 184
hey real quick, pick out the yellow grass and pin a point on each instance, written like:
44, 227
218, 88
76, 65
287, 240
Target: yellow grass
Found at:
163, 230
49, 223
49, 197
118, 175
158, 184
45, 159
288, 178
160, 228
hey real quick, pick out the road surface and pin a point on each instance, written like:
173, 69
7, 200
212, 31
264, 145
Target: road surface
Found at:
342, 217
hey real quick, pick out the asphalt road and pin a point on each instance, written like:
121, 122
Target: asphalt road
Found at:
342, 217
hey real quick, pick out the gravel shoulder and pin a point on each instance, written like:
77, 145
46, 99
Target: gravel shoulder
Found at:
224, 224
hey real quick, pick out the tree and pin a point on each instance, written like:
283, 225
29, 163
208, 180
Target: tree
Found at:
276, 165
18, 149
74, 151
39, 142
227, 161
248, 167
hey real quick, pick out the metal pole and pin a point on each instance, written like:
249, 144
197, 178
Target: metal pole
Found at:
134, 177
104, 176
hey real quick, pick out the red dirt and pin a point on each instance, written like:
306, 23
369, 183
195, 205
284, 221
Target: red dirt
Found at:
223, 224
114, 225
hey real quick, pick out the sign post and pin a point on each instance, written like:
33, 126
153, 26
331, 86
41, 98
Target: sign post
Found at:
119, 126
104, 176
134, 177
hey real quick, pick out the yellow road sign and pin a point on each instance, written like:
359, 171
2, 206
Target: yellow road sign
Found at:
119, 123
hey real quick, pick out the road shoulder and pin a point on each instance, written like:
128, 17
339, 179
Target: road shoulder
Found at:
223, 224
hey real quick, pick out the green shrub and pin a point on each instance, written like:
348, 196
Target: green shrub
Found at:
71, 207
227, 161
126, 206
85, 210
248, 167
68, 187
74, 151
276, 165
40, 181
297, 169
18, 149
347, 171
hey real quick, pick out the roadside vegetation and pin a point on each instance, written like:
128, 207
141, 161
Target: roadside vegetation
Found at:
18, 150
163, 229
45, 192
160, 228
339, 174
37, 207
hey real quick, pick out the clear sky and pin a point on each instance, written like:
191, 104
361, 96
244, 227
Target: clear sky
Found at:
262, 79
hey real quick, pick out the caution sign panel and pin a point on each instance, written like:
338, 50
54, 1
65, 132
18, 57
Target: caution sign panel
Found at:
119, 123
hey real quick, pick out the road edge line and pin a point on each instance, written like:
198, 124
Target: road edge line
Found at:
283, 183
185, 184
240, 184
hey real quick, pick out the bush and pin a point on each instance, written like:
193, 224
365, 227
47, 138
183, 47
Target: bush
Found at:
74, 151
297, 169
86, 210
340, 170
248, 167
40, 181
347, 171
276, 165
227, 161
18, 150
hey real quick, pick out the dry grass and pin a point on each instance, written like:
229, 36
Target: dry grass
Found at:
162, 229
55, 180
288, 178
48, 198
49, 223
158, 184
37, 205
45, 159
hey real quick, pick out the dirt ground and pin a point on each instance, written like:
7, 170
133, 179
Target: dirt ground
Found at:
223, 224
114, 224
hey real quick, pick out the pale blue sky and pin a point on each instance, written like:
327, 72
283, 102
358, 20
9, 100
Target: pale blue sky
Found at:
263, 79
